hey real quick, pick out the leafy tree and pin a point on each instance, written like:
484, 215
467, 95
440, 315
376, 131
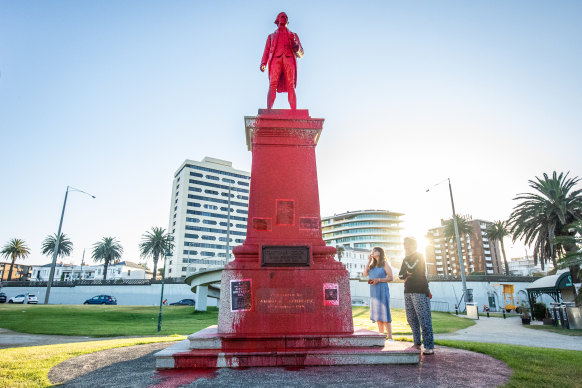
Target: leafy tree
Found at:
154, 244
14, 249
497, 231
65, 245
449, 232
543, 215
107, 250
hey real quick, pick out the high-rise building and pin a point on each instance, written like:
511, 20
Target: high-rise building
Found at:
479, 254
365, 229
200, 212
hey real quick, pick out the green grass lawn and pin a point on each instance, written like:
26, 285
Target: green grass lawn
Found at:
104, 321
532, 367
29, 366
112, 321
554, 329
441, 322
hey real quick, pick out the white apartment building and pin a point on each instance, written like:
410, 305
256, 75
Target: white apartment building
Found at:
524, 266
67, 272
365, 229
199, 215
356, 259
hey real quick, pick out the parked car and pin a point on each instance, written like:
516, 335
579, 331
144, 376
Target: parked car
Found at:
2, 297
184, 302
101, 299
20, 299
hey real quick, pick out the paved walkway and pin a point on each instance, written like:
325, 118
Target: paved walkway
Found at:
510, 331
12, 339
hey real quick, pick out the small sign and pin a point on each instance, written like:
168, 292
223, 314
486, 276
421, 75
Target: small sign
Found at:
285, 256
285, 212
261, 224
309, 223
240, 295
330, 294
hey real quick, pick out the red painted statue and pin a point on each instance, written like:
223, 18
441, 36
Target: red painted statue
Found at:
280, 51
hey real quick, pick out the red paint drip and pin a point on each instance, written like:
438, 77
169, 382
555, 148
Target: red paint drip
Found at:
174, 378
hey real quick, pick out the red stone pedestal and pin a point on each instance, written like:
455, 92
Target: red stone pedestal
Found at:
284, 300
284, 258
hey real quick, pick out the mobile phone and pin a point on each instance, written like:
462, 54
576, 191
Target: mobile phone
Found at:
370, 281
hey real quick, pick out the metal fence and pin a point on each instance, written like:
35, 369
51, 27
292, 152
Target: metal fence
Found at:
435, 305
99, 282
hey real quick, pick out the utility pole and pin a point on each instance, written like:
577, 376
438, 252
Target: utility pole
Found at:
459, 250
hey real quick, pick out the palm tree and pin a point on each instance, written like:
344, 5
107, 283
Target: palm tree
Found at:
545, 214
573, 257
65, 245
109, 250
155, 244
449, 232
15, 249
497, 231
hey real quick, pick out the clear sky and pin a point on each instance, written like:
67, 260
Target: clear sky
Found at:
112, 96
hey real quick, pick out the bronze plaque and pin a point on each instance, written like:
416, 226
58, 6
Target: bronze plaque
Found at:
285, 256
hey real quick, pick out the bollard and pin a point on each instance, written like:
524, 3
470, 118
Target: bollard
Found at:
503, 313
487, 313
456, 310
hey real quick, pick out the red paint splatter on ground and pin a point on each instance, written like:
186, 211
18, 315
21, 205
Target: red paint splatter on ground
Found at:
174, 378
294, 368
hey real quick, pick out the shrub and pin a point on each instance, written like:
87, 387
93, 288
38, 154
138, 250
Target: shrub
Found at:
539, 311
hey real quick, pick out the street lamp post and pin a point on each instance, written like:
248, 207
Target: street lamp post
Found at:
57, 242
456, 226
168, 253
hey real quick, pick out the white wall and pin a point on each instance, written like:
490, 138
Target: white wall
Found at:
448, 292
144, 295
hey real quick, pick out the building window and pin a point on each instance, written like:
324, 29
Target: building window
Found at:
212, 238
214, 178
211, 192
209, 222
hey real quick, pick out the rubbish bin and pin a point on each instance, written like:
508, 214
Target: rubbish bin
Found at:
472, 311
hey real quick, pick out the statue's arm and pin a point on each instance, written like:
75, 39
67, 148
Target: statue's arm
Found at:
297, 46
266, 54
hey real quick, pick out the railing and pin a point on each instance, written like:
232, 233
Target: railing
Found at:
435, 305
87, 282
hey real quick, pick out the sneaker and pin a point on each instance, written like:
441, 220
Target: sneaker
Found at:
389, 340
416, 346
428, 351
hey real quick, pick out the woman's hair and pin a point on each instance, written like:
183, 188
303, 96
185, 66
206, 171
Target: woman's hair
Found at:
411, 241
382, 261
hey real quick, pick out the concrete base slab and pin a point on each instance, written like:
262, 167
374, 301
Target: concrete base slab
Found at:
208, 349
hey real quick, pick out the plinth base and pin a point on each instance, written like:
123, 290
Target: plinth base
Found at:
208, 349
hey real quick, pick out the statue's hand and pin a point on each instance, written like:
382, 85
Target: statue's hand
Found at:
263, 67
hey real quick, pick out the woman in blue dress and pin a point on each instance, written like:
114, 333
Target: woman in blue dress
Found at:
379, 274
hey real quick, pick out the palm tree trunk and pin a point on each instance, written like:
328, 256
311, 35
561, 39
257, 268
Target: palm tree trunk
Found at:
105, 265
156, 257
504, 258
11, 266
